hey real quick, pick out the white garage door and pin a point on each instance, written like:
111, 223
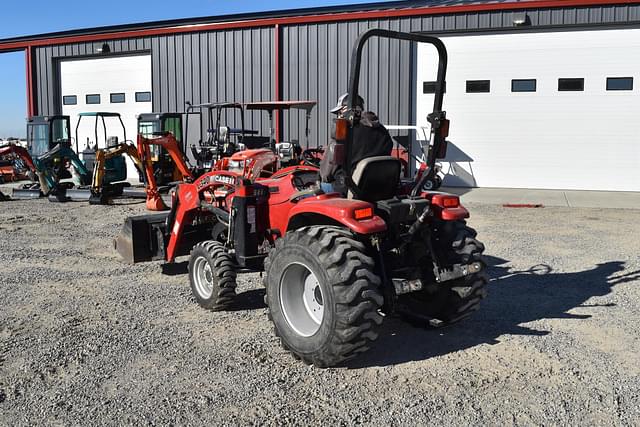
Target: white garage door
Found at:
514, 123
115, 84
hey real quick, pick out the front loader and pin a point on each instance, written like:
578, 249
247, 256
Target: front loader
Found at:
333, 264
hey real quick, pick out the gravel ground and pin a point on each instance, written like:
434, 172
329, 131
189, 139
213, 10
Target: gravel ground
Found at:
86, 339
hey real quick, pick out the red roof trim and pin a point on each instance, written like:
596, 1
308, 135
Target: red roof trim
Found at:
344, 16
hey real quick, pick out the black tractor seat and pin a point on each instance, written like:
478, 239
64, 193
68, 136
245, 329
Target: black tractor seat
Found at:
376, 178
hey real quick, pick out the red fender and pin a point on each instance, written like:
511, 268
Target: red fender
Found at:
340, 210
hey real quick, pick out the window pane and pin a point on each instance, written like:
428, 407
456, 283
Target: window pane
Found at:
60, 131
93, 99
69, 100
143, 96
570, 84
478, 86
619, 83
523, 85
40, 139
173, 125
430, 87
117, 98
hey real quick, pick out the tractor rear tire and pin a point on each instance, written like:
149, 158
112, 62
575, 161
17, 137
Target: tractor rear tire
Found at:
212, 275
323, 295
449, 302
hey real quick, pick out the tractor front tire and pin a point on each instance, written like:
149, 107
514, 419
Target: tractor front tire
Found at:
212, 275
449, 302
323, 295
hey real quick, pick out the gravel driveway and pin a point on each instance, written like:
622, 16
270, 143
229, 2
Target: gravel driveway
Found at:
86, 339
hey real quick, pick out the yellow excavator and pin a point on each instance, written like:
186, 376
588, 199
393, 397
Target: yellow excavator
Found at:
101, 192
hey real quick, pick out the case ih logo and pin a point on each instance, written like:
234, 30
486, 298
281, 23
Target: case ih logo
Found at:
230, 180
217, 179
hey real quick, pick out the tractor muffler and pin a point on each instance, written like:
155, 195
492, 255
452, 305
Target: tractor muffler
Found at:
142, 238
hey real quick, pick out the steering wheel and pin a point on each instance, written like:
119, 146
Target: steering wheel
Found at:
312, 156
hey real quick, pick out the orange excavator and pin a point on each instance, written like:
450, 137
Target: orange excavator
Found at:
167, 142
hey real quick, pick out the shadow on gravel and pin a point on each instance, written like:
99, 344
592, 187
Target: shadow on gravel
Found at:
515, 298
249, 300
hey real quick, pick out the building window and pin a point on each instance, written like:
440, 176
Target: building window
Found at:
430, 87
143, 96
93, 99
478, 86
619, 83
565, 85
69, 100
117, 98
523, 85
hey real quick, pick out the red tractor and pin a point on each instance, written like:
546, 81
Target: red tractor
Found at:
333, 265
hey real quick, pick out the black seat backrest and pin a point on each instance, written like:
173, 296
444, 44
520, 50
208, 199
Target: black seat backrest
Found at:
376, 178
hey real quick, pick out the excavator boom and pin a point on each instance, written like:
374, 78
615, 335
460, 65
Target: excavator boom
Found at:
169, 143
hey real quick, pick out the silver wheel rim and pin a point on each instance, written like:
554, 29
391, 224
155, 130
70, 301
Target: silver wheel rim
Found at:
203, 277
301, 299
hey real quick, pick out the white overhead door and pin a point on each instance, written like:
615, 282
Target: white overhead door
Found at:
554, 110
115, 84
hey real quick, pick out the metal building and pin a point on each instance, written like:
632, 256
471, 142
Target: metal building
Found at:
541, 93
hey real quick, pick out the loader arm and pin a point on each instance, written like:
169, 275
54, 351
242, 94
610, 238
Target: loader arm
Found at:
169, 143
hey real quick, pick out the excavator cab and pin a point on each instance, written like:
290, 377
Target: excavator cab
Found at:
155, 124
45, 132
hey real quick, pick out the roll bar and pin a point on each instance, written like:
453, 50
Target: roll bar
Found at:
435, 118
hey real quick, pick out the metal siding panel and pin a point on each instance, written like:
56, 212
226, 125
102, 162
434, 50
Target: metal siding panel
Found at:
50, 81
608, 13
312, 87
427, 23
184, 64
557, 16
461, 21
582, 15
485, 19
195, 68
214, 66
622, 13
204, 67
393, 95
167, 45
450, 22
156, 73
322, 124
225, 65
569, 16
544, 17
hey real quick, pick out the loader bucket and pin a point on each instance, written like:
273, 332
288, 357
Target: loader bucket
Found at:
142, 238
26, 193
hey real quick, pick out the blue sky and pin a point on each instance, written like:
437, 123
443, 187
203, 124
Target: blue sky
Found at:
42, 16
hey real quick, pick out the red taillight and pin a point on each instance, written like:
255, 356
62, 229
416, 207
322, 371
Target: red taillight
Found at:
363, 213
445, 200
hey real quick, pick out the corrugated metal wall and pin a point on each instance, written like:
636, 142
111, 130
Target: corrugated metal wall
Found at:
198, 67
238, 65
